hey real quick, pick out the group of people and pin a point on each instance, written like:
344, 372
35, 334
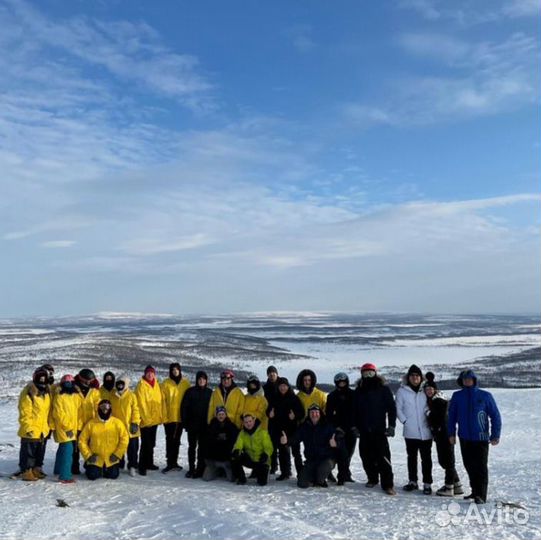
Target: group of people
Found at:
262, 428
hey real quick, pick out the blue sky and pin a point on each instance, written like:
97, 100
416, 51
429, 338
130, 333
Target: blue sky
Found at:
213, 157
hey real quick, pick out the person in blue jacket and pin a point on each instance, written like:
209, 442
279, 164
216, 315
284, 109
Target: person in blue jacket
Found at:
479, 424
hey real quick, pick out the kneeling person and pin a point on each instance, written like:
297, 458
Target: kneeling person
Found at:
321, 446
103, 442
253, 449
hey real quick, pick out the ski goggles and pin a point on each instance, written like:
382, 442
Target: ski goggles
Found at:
368, 374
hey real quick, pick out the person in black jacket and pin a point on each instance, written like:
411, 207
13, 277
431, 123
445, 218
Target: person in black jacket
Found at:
285, 411
437, 421
374, 416
221, 436
270, 388
320, 443
339, 412
194, 408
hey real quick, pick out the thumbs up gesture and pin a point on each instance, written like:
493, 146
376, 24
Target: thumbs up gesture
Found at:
283, 438
332, 442
291, 415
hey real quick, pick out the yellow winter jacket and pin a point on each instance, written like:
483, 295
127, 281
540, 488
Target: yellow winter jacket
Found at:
256, 405
106, 394
33, 413
234, 405
103, 438
172, 394
149, 399
65, 415
89, 405
317, 396
126, 409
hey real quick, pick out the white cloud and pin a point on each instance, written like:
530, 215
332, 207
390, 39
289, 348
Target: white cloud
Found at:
484, 78
58, 244
129, 51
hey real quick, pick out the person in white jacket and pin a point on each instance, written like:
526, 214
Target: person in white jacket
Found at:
411, 410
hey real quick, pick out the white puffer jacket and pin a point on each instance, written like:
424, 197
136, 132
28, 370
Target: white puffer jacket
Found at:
411, 410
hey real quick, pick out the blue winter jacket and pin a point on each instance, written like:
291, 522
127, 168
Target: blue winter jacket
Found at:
476, 413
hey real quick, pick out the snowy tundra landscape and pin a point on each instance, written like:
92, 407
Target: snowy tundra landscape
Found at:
505, 350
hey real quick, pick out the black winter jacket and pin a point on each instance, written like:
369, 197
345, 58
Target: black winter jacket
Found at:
282, 404
373, 406
315, 439
339, 409
437, 414
194, 408
221, 437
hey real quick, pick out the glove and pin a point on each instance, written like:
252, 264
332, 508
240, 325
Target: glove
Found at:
114, 459
355, 432
263, 458
339, 434
133, 428
389, 432
236, 454
69, 434
93, 459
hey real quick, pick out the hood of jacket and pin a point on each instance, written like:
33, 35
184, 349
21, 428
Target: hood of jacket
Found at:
300, 377
467, 373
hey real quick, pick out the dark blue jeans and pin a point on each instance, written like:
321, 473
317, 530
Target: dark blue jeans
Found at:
94, 472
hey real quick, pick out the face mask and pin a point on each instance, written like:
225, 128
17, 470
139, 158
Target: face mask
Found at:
109, 384
104, 411
120, 386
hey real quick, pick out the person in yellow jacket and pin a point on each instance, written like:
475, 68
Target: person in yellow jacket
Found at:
253, 449
87, 387
65, 416
103, 441
34, 406
309, 395
228, 395
107, 389
126, 409
149, 399
255, 402
307, 391
173, 390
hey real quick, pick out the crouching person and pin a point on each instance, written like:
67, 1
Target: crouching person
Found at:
220, 438
103, 442
253, 449
321, 447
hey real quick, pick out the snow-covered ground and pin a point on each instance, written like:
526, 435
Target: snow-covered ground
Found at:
165, 507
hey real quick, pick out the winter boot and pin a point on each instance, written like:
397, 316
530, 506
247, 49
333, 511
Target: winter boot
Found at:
70, 481
446, 491
190, 473
131, 471
411, 486
470, 496
38, 473
458, 489
283, 476
427, 489
390, 491
370, 484
29, 476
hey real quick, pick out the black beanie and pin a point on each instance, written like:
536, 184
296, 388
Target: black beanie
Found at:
281, 380
430, 382
271, 369
415, 370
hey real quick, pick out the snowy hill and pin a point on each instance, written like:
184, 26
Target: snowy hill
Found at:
170, 506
